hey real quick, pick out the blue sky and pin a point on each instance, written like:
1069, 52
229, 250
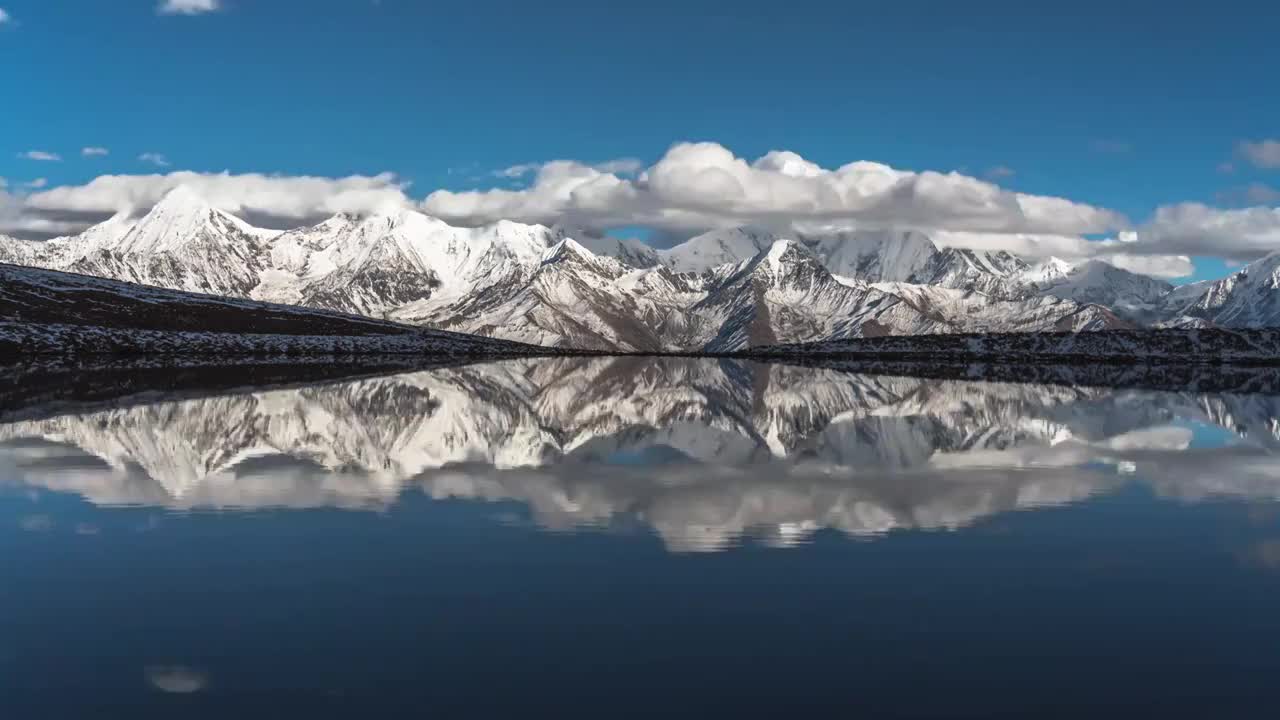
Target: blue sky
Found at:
1127, 106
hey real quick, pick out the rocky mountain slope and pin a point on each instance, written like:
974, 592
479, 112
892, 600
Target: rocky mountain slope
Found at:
1248, 298
1136, 297
723, 290
48, 311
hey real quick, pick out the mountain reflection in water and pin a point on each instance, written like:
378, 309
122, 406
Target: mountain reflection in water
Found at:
703, 452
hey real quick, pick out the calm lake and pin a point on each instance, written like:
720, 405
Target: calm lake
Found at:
641, 537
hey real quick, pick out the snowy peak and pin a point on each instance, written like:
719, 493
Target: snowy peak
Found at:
106, 234
789, 257
344, 237
569, 253
1134, 297
716, 248
179, 216
458, 256
405, 223
183, 243
1249, 298
867, 256
876, 255
785, 293
628, 251
567, 250
777, 251
999, 264
1100, 273
518, 242
784, 262
1048, 271
183, 199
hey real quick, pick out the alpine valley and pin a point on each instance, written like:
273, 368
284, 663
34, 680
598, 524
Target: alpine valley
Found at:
720, 291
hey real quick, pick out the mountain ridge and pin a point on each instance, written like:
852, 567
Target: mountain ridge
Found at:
538, 284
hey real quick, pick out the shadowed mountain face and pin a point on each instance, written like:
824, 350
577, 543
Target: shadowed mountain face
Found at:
703, 452
49, 312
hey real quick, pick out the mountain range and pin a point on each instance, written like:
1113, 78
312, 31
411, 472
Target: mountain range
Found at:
723, 290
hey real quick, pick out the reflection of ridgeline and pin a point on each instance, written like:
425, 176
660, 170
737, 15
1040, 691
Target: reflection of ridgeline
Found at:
697, 448
1154, 375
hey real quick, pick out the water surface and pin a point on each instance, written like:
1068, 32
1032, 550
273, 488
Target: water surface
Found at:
621, 536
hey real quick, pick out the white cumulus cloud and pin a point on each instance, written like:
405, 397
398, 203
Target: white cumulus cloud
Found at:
40, 155
154, 158
1260, 194
1162, 245
1166, 267
1261, 153
619, 166
5, 17
1197, 229
697, 186
95, 152
1252, 194
188, 7
517, 171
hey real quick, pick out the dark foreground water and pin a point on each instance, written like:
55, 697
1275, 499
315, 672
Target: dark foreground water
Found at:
631, 537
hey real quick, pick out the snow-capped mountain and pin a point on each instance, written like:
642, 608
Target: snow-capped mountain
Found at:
19, 252
785, 292
723, 290
867, 255
182, 244
1135, 297
911, 257
1049, 270
1248, 298
566, 297
715, 248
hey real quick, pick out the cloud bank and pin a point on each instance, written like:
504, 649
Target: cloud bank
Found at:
1197, 229
272, 200
696, 187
